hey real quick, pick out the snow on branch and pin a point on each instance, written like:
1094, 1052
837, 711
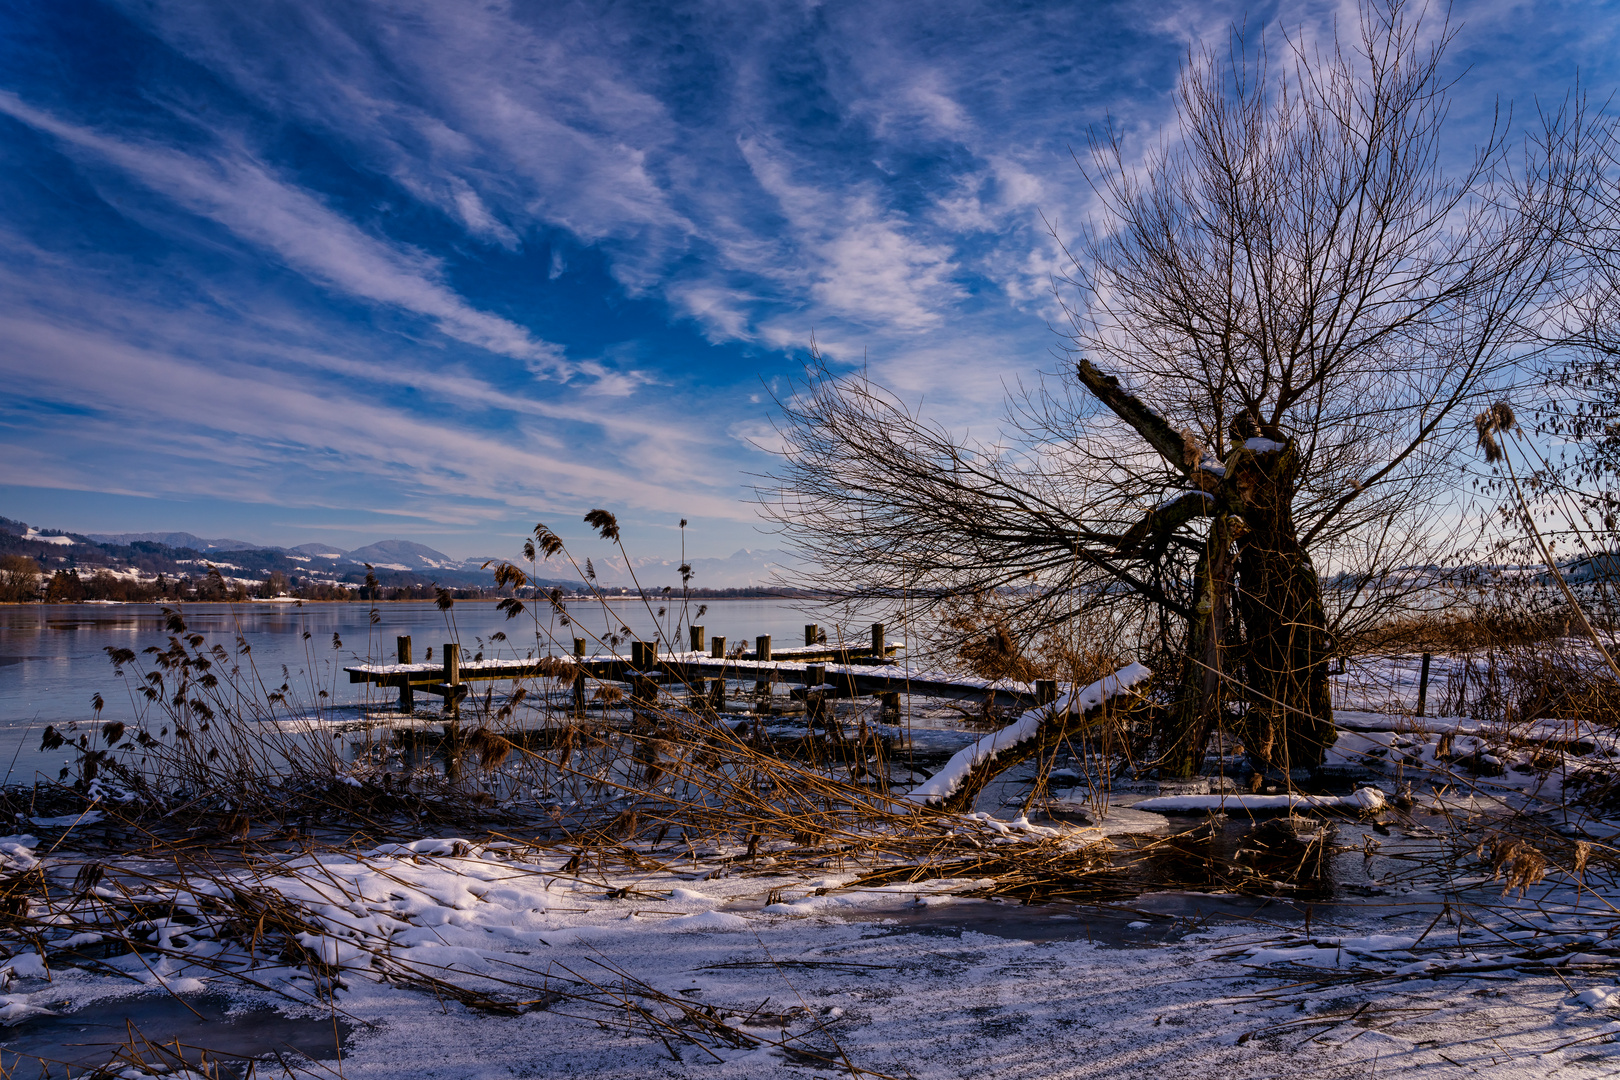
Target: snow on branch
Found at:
958, 770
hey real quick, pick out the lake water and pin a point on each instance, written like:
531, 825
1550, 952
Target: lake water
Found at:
53, 658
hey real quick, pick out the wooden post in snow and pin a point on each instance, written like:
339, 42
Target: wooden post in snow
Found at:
452, 675
717, 689
762, 653
644, 659
407, 693
815, 698
1423, 684
579, 678
452, 730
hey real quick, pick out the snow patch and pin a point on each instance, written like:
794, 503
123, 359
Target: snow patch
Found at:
36, 535
1366, 798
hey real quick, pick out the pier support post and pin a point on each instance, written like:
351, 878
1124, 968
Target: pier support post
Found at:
579, 678
717, 688
452, 730
407, 693
878, 650
643, 690
697, 638
811, 633
815, 698
762, 653
452, 674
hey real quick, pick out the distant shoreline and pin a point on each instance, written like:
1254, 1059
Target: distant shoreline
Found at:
713, 594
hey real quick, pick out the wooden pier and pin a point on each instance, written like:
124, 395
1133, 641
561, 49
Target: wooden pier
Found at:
820, 670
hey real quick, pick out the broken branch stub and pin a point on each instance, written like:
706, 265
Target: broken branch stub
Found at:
1178, 449
956, 786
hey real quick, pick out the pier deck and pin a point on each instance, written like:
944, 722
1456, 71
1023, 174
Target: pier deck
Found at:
836, 670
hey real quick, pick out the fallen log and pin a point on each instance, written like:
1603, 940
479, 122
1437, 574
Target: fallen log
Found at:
958, 783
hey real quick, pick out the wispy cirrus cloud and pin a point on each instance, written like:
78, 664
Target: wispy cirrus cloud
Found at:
241, 194
552, 250
152, 397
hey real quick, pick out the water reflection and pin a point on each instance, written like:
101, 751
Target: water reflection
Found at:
53, 656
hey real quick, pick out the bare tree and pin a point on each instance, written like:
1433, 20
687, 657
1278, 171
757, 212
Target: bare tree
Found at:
19, 579
1287, 316
1579, 399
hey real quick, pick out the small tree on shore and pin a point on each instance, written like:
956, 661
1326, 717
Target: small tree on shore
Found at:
19, 579
1278, 335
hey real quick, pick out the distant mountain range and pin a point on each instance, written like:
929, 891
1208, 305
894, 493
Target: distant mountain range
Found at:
174, 540
395, 561
741, 569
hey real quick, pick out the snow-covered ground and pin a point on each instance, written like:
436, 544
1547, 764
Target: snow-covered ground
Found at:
801, 975
472, 957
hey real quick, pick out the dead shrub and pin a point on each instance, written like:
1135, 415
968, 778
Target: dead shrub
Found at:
1516, 863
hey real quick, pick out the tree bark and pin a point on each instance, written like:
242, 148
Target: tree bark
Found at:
1198, 702
1289, 722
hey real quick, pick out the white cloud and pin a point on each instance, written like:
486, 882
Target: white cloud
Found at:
225, 427
863, 262
241, 194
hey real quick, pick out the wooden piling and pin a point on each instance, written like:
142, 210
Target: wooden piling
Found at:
762, 653
1423, 685
452, 675
697, 638
877, 641
644, 659
579, 678
717, 688
812, 632
815, 698
407, 693
452, 730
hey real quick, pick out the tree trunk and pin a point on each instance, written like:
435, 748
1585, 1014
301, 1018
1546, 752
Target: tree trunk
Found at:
1198, 703
1289, 723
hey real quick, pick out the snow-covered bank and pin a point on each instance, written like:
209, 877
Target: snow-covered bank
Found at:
604, 972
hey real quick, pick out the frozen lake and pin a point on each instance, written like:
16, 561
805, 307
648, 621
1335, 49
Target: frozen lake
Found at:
53, 656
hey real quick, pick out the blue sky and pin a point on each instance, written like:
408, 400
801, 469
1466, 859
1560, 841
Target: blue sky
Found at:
339, 271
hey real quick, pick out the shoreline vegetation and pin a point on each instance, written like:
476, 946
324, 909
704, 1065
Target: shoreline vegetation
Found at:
57, 567
565, 844
405, 596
